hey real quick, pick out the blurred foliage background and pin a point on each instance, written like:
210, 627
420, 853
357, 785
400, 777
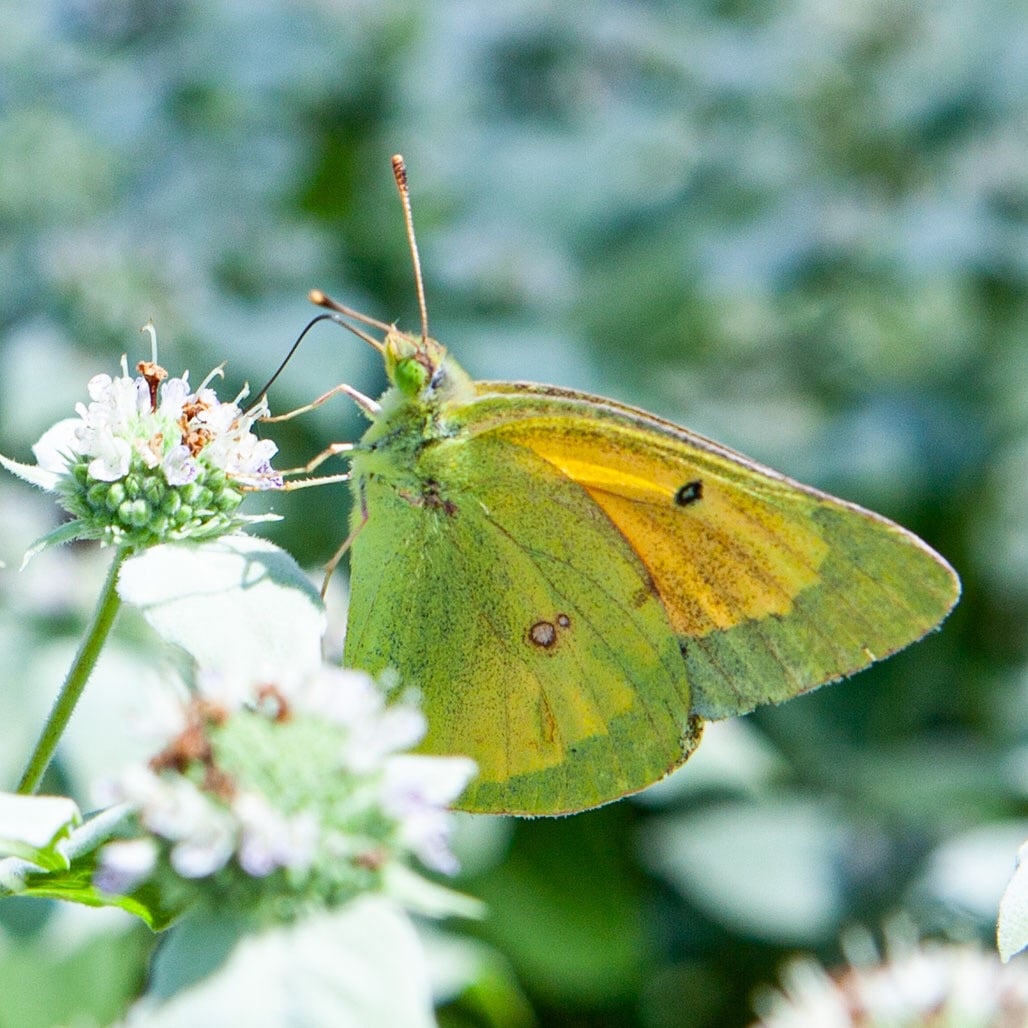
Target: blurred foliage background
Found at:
798, 226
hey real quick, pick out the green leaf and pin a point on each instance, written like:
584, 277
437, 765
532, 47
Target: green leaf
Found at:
71, 879
67, 532
80, 969
31, 473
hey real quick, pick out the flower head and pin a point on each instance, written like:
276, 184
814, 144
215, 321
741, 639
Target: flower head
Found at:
289, 792
925, 984
149, 460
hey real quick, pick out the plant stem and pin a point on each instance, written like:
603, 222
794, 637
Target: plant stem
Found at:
75, 681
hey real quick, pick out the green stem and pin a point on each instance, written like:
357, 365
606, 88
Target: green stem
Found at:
75, 682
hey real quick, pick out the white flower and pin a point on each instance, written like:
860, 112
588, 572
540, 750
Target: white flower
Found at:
149, 438
121, 422
416, 791
269, 840
234, 448
113, 457
124, 865
202, 855
179, 467
228, 691
352, 700
172, 807
917, 985
306, 776
344, 697
174, 394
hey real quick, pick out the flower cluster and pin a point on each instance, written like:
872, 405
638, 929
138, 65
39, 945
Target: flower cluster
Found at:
150, 460
917, 985
285, 794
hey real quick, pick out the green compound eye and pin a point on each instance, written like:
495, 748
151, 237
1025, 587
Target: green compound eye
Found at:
411, 376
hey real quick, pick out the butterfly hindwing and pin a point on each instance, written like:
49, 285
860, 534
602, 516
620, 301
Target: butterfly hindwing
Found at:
497, 587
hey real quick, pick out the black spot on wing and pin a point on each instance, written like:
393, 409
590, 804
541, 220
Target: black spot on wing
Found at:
691, 492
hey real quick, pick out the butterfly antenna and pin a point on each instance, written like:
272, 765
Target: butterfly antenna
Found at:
400, 174
320, 299
289, 356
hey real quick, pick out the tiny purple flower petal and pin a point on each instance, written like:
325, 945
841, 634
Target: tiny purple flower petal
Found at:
200, 857
269, 840
179, 466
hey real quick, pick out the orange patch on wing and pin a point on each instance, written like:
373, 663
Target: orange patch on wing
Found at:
721, 555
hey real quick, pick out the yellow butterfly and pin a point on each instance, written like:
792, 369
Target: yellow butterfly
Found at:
576, 586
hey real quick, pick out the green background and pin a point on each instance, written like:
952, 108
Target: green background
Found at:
798, 227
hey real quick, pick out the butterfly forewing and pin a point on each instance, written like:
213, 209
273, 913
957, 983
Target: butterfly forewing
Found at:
771, 587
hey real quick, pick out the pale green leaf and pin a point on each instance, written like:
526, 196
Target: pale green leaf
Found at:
422, 896
68, 874
1012, 928
237, 604
358, 967
32, 826
31, 473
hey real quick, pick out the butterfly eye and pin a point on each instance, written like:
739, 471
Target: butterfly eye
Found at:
411, 376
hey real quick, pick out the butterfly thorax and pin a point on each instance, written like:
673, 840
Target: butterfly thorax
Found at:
425, 385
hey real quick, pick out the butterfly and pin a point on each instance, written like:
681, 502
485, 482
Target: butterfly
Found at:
576, 586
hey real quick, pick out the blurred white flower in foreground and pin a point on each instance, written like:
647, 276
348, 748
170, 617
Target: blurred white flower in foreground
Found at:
927, 985
286, 792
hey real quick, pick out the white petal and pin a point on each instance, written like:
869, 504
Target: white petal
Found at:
124, 865
179, 466
114, 456
57, 446
174, 394
416, 790
99, 387
197, 858
420, 779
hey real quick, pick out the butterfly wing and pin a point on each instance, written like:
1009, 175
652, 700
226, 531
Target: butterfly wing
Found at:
493, 583
770, 587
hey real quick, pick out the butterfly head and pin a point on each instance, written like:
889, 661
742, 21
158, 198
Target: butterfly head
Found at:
420, 368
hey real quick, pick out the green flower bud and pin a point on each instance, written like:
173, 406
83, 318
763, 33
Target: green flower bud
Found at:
134, 513
115, 496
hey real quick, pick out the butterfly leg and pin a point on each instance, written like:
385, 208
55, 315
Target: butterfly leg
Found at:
332, 450
306, 483
303, 483
364, 402
344, 546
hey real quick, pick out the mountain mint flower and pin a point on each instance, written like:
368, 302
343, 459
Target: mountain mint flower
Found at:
917, 985
150, 460
285, 793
